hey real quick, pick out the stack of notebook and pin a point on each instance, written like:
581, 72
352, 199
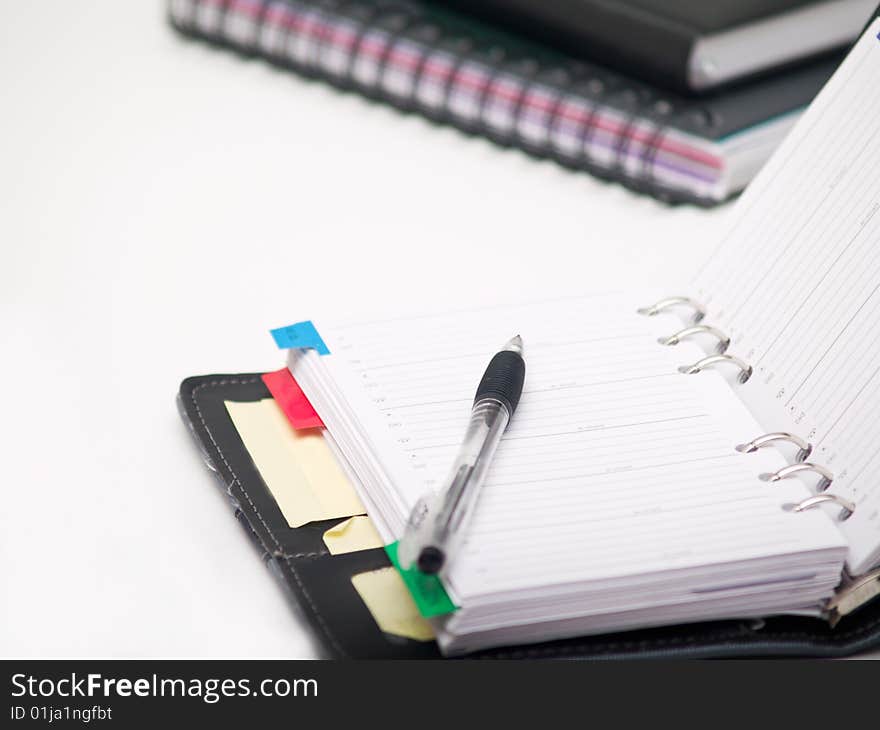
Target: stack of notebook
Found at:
455, 70
698, 458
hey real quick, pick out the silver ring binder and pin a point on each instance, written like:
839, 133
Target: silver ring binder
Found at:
846, 511
806, 448
854, 592
698, 329
745, 368
657, 307
794, 469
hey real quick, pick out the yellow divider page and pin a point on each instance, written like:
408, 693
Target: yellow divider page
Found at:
297, 467
391, 604
356, 533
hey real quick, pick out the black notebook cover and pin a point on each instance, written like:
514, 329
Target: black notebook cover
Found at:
319, 584
651, 39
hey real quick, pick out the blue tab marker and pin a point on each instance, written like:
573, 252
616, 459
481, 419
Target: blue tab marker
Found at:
299, 336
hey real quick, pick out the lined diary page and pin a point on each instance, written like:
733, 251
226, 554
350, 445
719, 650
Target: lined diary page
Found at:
796, 283
614, 464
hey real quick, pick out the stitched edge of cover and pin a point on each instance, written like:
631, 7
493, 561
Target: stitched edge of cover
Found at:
236, 481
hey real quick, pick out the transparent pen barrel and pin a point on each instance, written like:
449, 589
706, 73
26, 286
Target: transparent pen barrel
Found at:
489, 418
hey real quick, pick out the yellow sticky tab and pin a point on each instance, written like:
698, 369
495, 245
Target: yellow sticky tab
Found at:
297, 466
391, 604
356, 533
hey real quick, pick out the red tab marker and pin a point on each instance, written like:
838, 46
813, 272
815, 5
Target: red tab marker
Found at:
287, 393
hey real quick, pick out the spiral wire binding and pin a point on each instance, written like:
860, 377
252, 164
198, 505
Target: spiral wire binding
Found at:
846, 601
804, 449
853, 592
272, 29
698, 329
699, 313
846, 507
805, 466
745, 370
664, 304
826, 477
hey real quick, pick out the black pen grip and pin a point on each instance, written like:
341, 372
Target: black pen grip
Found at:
503, 379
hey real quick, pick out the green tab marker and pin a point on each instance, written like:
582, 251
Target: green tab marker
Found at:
427, 590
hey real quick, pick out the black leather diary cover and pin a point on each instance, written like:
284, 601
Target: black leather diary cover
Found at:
319, 584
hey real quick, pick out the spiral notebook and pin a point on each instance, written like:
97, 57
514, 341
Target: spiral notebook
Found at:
453, 69
673, 459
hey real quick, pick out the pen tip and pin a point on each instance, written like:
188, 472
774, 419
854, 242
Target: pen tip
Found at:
515, 344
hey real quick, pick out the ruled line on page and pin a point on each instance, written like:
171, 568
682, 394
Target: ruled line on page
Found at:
612, 437
796, 283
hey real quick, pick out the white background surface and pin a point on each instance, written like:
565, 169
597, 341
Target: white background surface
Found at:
161, 206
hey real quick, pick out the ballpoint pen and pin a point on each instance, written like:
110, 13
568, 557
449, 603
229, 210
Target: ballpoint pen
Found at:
439, 522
